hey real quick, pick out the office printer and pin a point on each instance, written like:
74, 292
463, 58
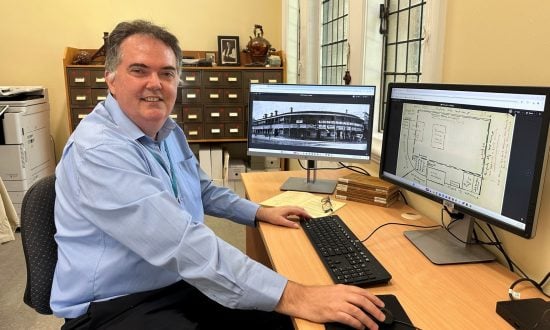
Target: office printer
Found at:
26, 151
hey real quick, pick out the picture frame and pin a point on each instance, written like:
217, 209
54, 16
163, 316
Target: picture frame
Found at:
210, 56
229, 51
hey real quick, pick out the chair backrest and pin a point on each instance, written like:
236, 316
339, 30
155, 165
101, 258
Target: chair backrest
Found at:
39, 246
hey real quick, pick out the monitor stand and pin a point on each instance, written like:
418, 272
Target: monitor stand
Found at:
310, 183
441, 248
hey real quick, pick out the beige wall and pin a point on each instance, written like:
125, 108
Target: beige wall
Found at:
34, 34
501, 42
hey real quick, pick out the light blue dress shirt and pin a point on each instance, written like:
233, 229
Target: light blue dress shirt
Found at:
121, 229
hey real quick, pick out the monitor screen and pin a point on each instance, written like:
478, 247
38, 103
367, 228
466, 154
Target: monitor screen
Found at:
313, 122
481, 149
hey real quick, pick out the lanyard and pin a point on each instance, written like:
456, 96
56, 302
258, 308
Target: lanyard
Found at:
170, 173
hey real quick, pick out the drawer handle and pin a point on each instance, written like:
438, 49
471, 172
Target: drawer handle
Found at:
81, 116
232, 96
173, 116
233, 130
101, 98
79, 80
193, 116
272, 81
214, 96
254, 81
231, 79
215, 114
191, 96
81, 98
233, 114
215, 131
100, 79
213, 79
193, 133
189, 78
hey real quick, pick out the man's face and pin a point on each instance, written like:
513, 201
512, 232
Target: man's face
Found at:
145, 83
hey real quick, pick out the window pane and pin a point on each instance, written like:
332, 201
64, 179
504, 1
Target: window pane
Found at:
414, 57
390, 58
401, 58
403, 26
393, 5
392, 28
415, 28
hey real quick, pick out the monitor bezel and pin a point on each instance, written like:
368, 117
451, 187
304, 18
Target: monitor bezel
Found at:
541, 152
304, 155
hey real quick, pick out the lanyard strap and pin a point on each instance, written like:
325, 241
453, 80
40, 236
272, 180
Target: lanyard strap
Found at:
170, 172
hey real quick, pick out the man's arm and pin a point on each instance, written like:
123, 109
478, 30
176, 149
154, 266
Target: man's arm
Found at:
333, 303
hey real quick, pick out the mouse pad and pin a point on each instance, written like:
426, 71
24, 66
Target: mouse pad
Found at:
394, 306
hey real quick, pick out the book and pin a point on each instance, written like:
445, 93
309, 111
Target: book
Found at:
380, 201
312, 203
368, 182
346, 189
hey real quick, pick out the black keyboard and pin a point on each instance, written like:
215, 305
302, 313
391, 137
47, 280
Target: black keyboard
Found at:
347, 260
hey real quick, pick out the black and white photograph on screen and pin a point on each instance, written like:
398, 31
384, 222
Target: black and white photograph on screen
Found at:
311, 124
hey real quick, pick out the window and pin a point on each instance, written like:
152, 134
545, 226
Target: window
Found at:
402, 27
356, 44
334, 39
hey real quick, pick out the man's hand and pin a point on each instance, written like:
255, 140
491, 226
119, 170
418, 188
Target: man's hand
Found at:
332, 303
279, 215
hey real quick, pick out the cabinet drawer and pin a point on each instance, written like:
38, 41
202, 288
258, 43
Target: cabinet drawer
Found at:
78, 77
97, 79
177, 114
191, 78
99, 95
193, 131
81, 97
273, 77
222, 78
222, 95
190, 95
78, 114
234, 130
214, 131
214, 114
192, 114
223, 113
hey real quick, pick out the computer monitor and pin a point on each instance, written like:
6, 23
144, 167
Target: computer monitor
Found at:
478, 149
312, 122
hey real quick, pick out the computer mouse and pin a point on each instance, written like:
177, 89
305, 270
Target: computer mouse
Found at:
387, 321
389, 316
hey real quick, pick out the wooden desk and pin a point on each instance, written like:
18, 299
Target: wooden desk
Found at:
435, 297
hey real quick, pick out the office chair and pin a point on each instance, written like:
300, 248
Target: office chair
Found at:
39, 246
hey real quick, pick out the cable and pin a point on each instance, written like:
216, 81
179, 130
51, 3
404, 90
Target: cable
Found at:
353, 168
410, 325
539, 286
399, 224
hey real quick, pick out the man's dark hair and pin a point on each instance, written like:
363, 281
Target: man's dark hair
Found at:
124, 30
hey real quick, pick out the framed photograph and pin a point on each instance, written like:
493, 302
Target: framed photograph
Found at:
228, 50
210, 56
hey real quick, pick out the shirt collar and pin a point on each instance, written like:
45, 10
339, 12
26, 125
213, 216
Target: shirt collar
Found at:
128, 126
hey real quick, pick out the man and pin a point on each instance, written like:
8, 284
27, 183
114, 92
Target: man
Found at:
131, 198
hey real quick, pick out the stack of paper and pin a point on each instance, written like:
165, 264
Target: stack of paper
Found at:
313, 204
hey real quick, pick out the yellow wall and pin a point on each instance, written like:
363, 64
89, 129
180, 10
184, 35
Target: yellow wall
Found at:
501, 42
34, 34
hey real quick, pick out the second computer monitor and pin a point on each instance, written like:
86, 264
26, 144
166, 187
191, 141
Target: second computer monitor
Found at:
312, 122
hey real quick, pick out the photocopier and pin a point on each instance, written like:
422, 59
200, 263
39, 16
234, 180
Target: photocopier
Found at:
26, 148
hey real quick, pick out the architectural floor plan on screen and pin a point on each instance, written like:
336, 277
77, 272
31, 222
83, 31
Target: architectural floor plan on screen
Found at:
456, 151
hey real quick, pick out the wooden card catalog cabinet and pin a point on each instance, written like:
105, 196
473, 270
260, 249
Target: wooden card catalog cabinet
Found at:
211, 105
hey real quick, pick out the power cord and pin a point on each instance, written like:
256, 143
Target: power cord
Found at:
353, 168
398, 224
539, 285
